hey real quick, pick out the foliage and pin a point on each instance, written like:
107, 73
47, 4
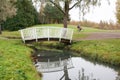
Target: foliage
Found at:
52, 14
118, 11
15, 62
26, 16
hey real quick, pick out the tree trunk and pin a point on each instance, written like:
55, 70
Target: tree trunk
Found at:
66, 13
65, 22
66, 72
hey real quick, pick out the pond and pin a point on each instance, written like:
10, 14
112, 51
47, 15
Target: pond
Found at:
77, 69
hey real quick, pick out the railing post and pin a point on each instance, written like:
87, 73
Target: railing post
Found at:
48, 33
22, 35
35, 34
60, 35
71, 36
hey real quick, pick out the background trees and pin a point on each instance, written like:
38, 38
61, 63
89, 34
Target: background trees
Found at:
7, 9
26, 16
118, 11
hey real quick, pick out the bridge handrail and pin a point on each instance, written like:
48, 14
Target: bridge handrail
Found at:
46, 32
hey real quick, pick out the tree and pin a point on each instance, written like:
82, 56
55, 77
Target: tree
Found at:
83, 5
26, 16
41, 13
52, 14
118, 11
7, 10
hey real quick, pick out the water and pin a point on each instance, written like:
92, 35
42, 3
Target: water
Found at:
54, 64
91, 70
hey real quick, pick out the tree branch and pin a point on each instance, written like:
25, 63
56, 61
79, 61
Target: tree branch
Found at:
57, 6
75, 4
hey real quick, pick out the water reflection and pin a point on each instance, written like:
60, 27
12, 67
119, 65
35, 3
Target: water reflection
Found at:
83, 70
61, 68
46, 65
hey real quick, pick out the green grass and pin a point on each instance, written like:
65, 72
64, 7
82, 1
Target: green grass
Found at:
106, 51
15, 61
12, 34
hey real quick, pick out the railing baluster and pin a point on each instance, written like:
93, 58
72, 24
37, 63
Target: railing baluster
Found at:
35, 32
48, 33
22, 36
71, 36
60, 34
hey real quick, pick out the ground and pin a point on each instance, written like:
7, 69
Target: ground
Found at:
100, 35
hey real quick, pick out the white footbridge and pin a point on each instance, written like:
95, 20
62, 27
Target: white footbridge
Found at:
46, 33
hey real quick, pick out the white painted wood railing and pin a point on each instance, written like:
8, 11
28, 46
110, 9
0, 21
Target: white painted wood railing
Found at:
36, 33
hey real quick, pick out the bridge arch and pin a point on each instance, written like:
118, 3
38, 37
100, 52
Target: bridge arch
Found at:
46, 33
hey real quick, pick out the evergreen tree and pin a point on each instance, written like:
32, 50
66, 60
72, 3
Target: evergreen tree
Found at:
26, 16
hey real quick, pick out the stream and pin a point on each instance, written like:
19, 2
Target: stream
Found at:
77, 68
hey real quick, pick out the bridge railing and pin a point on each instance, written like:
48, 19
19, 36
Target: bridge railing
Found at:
36, 33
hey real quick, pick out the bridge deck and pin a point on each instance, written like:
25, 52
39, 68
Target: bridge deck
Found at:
46, 34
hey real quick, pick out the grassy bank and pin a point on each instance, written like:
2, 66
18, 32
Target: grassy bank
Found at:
15, 61
106, 51
12, 34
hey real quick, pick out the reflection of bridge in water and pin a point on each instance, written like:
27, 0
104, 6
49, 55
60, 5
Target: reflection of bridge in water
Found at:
49, 65
46, 33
